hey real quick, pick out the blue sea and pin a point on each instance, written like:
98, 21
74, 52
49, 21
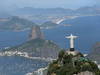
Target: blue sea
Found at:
87, 37
14, 65
12, 38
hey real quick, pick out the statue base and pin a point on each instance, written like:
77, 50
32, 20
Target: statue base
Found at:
72, 49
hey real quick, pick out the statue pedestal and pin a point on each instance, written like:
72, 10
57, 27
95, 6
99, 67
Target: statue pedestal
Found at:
72, 49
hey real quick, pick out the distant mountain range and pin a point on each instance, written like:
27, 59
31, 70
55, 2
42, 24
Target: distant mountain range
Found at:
16, 23
41, 15
42, 11
88, 10
59, 11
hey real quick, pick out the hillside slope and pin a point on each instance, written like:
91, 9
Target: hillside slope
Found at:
95, 54
16, 23
38, 48
68, 64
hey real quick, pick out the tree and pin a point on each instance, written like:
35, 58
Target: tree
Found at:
67, 59
61, 54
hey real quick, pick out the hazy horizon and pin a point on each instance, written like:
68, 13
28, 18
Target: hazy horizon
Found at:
6, 5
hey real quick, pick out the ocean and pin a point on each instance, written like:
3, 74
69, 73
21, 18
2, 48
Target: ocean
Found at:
86, 37
12, 38
14, 65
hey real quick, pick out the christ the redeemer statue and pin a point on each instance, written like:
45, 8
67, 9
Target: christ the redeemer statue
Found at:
72, 38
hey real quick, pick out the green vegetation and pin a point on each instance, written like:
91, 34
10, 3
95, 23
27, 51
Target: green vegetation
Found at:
66, 64
16, 23
38, 47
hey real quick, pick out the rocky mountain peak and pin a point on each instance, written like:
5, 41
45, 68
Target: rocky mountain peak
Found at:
36, 33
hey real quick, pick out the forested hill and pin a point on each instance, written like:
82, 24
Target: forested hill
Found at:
38, 48
15, 23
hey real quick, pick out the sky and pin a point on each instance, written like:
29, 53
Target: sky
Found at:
12, 4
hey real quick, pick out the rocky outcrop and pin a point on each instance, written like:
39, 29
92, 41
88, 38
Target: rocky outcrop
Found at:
36, 46
36, 33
